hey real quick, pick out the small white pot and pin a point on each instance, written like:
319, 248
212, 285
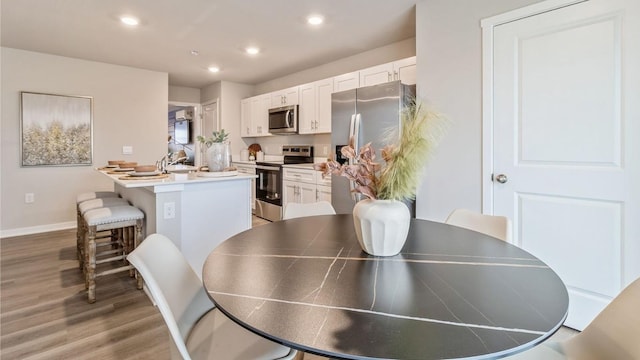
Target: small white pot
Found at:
381, 226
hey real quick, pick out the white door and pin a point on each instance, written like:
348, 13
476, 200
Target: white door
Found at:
566, 136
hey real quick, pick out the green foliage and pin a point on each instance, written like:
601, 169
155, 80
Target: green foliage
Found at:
421, 131
217, 137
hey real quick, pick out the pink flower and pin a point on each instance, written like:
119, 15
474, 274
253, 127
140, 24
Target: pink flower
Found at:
363, 171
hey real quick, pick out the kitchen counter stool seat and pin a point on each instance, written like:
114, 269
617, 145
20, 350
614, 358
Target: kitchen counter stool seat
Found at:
128, 220
95, 195
85, 206
80, 198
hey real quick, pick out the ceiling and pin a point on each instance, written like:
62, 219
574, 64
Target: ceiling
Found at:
218, 29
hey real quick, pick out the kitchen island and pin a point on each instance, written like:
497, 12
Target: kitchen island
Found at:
196, 213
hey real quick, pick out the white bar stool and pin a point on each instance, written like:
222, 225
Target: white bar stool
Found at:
127, 218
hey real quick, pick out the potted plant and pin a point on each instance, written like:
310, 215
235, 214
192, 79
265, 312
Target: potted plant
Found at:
382, 219
218, 153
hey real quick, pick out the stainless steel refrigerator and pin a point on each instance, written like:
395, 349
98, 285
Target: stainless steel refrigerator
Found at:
367, 114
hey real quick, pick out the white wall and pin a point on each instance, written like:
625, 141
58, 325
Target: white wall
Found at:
129, 108
229, 95
230, 98
449, 66
184, 94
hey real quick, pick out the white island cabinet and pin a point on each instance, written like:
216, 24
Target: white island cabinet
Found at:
196, 213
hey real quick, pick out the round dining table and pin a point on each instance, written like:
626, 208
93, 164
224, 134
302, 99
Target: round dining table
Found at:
450, 293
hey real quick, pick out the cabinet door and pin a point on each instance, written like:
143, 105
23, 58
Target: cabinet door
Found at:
245, 117
284, 97
260, 115
323, 91
376, 75
405, 71
323, 193
291, 96
299, 175
346, 81
251, 170
307, 114
289, 193
306, 193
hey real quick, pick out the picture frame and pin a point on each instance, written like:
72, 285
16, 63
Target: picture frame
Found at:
56, 130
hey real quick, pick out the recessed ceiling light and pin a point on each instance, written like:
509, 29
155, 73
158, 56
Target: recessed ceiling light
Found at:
129, 20
315, 20
252, 50
214, 69
195, 52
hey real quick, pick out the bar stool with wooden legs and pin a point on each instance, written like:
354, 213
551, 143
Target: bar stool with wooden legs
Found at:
85, 206
79, 200
128, 221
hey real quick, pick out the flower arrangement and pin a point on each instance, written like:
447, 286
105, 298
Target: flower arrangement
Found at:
420, 132
217, 137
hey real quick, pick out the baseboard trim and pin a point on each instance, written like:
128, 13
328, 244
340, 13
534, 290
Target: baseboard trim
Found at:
37, 229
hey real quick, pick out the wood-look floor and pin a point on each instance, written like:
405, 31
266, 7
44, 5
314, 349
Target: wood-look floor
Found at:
44, 312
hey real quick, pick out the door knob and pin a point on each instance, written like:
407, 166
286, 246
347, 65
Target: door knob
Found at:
502, 178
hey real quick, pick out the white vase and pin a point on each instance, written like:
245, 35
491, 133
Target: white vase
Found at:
218, 157
381, 226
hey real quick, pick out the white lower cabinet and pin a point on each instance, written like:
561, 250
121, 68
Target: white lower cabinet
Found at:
304, 186
323, 193
251, 170
301, 193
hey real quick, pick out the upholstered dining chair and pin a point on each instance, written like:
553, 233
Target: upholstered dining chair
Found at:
613, 334
296, 210
198, 329
496, 226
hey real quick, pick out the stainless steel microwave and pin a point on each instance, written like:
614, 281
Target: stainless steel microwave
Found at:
283, 120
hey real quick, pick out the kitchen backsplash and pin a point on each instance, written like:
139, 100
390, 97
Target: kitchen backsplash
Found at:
273, 145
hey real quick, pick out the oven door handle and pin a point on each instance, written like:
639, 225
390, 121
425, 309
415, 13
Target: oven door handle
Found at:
262, 167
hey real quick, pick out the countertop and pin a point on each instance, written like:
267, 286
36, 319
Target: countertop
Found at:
174, 179
243, 162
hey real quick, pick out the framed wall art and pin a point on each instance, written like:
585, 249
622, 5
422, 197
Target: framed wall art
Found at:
56, 130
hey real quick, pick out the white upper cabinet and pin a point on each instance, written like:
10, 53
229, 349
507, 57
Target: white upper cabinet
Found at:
315, 107
254, 116
376, 75
403, 70
315, 98
284, 97
260, 114
346, 81
245, 117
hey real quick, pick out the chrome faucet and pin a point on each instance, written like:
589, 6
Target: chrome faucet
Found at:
166, 161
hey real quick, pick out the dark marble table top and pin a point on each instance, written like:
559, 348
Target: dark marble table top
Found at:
450, 293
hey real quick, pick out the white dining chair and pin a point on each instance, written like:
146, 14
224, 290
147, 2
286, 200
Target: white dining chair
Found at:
496, 226
296, 210
198, 329
613, 334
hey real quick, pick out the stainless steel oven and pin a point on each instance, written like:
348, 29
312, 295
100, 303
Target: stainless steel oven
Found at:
269, 181
269, 191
